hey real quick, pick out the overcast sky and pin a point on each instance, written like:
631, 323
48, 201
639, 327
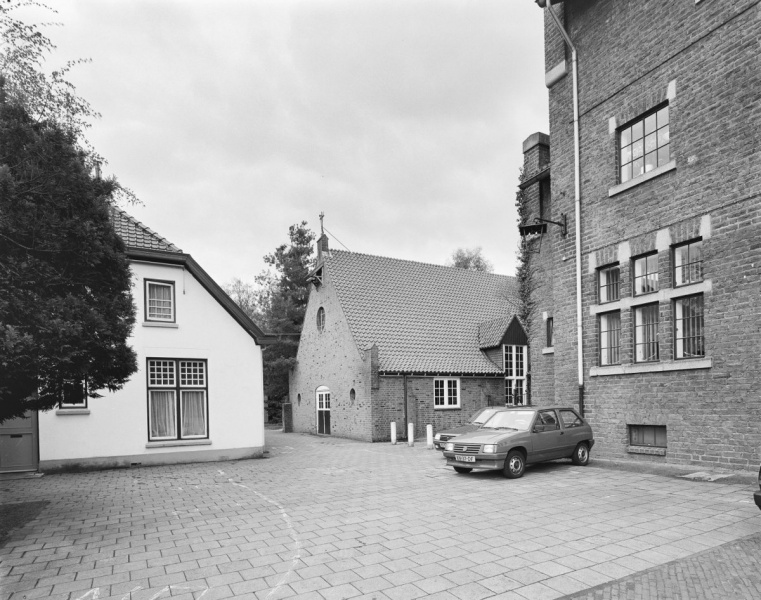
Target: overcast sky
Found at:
401, 120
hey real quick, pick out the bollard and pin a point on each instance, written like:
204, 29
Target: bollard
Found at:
393, 432
429, 436
410, 434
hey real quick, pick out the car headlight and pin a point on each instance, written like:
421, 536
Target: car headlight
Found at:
490, 448
449, 447
437, 437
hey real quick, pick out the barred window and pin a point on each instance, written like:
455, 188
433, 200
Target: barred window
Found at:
610, 338
688, 327
646, 333
644, 144
446, 393
645, 274
688, 263
321, 319
609, 283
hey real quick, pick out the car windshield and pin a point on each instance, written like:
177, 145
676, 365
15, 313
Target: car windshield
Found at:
483, 416
510, 419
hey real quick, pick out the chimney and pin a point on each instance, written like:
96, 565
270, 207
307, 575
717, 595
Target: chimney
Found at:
536, 155
322, 246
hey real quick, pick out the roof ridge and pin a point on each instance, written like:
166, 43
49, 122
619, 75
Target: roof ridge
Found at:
417, 262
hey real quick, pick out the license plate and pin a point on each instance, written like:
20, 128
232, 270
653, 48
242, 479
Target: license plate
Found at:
461, 458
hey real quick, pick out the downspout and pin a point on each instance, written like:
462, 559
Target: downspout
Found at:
577, 197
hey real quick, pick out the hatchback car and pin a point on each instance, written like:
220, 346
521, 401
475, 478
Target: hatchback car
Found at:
479, 418
518, 436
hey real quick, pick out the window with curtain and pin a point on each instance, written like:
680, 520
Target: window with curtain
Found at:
609, 284
177, 399
159, 301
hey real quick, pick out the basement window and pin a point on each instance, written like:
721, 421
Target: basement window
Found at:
650, 436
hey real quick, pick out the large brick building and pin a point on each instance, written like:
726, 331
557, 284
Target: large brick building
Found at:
387, 340
664, 227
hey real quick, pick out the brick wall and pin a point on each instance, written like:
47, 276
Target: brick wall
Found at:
703, 60
331, 358
475, 393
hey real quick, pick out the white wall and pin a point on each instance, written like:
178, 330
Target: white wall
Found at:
117, 423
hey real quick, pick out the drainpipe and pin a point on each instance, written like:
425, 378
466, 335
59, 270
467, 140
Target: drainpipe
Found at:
577, 195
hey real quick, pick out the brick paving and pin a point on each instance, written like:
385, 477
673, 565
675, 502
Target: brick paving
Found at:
328, 519
731, 572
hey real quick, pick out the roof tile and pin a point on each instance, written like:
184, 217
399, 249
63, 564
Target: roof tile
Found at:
423, 317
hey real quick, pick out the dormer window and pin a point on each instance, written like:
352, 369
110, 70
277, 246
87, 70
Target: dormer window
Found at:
159, 301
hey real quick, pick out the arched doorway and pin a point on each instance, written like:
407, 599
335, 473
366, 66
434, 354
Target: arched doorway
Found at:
323, 410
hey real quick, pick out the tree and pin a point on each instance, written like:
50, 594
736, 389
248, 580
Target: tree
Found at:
277, 302
66, 309
65, 304
470, 259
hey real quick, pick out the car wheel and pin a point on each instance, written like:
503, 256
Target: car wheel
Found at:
515, 465
581, 455
462, 470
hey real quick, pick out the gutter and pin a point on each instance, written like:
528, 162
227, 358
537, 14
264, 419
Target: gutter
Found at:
577, 195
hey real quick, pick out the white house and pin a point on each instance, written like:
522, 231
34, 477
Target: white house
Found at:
198, 393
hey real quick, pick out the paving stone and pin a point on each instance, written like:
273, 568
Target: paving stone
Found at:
364, 524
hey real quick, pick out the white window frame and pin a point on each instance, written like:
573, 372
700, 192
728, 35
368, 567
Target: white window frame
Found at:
442, 393
515, 365
153, 317
172, 375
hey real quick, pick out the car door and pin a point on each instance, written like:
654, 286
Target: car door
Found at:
547, 437
573, 428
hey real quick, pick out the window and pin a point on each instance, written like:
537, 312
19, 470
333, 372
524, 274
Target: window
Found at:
159, 301
74, 395
609, 283
446, 393
610, 338
515, 375
645, 274
688, 263
646, 333
647, 435
688, 327
550, 332
570, 418
177, 399
548, 420
321, 319
644, 144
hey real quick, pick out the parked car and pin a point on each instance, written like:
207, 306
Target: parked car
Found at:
479, 418
757, 493
515, 437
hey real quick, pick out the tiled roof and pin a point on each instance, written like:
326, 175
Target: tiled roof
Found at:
136, 235
424, 318
490, 333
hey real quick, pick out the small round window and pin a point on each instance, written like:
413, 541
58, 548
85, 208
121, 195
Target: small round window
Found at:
321, 319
